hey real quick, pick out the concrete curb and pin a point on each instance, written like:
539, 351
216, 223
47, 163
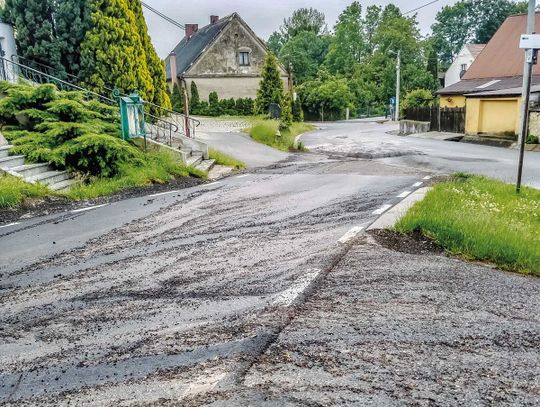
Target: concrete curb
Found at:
393, 215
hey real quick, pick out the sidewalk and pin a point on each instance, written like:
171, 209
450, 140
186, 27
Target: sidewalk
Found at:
388, 328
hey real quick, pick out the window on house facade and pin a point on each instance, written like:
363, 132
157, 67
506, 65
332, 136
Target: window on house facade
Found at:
245, 58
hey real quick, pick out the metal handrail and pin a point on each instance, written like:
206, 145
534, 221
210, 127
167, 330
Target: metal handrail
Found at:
79, 80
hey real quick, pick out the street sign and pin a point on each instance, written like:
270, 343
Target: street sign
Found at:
132, 116
530, 41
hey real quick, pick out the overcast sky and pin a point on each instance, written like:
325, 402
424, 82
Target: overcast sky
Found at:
264, 16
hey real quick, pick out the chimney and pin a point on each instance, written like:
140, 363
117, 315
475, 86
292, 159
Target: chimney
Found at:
191, 29
214, 19
174, 73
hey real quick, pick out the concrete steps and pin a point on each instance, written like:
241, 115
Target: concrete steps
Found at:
34, 173
206, 165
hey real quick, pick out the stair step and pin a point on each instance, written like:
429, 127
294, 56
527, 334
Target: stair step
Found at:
29, 170
63, 186
11, 161
4, 150
206, 165
194, 161
49, 177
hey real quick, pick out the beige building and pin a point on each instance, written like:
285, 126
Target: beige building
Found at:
226, 56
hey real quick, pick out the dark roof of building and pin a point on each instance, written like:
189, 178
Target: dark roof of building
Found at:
477, 86
189, 50
502, 56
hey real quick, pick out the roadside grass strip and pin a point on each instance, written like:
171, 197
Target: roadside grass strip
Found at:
477, 218
13, 191
226, 160
264, 131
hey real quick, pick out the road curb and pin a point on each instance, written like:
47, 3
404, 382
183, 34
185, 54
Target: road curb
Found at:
393, 215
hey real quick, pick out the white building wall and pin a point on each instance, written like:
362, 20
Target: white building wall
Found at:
453, 74
7, 44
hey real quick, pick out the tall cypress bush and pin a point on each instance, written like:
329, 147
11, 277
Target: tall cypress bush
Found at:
271, 87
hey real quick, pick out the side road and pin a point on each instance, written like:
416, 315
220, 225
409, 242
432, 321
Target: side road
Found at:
390, 328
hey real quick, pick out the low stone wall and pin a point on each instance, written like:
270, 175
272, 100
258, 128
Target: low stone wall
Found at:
413, 127
534, 124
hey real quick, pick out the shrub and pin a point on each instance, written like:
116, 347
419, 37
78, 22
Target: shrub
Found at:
14, 191
417, 98
533, 139
297, 111
97, 155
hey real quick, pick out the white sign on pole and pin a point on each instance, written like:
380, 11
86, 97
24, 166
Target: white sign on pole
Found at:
530, 41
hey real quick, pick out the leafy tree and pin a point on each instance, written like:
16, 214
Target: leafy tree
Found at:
275, 42
286, 112
112, 53
72, 21
348, 46
304, 54
371, 23
304, 20
271, 86
155, 65
470, 21
33, 20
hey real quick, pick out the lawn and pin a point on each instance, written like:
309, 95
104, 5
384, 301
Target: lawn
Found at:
264, 131
227, 160
481, 219
13, 191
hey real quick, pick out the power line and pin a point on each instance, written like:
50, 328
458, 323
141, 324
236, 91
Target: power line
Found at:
421, 7
166, 18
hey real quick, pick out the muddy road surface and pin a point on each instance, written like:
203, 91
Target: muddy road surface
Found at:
160, 299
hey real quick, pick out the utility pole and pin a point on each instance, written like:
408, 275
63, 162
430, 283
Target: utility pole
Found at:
526, 94
398, 84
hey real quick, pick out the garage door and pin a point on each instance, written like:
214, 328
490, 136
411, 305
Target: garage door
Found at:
498, 116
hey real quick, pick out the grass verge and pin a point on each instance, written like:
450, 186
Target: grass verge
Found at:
264, 131
13, 191
481, 219
227, 160
157, 168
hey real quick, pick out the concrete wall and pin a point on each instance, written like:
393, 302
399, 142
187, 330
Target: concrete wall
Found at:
492, 115
228, 87
413, 127
452, 101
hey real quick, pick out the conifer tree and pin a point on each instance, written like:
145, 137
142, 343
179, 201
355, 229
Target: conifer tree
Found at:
177, 100
195, 98
271, 86
112, 53
154, 63
72, 21
33, 20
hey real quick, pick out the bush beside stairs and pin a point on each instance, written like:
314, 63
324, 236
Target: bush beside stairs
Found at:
41, 173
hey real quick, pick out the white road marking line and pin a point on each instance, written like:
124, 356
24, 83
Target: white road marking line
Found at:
418, 184
288, 297
382, 210
351, 234
404, 194
88, 209
427, 178
162, 193
10, 224
213, 183
243, 176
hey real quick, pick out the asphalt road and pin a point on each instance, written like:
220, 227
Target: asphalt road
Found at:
371, 140
179, 298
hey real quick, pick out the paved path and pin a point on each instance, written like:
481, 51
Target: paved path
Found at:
371, 141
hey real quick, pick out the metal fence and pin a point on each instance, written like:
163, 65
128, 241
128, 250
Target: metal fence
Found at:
446, 119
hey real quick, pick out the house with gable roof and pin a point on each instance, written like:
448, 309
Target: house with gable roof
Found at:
490, 89
225, 56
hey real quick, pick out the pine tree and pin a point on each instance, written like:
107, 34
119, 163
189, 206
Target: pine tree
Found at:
195, 98
112, 53
72, 21
177, 100
271, 87
297, 112
155, 65
33, 20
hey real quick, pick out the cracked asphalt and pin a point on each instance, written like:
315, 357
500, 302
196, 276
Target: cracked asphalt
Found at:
238, 293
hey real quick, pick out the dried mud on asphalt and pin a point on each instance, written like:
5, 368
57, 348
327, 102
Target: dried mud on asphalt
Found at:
184, 301
49, 205
388, 328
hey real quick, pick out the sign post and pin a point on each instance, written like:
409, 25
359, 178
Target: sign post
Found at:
132, 117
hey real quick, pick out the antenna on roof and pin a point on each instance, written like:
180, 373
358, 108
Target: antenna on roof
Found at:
163, 16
